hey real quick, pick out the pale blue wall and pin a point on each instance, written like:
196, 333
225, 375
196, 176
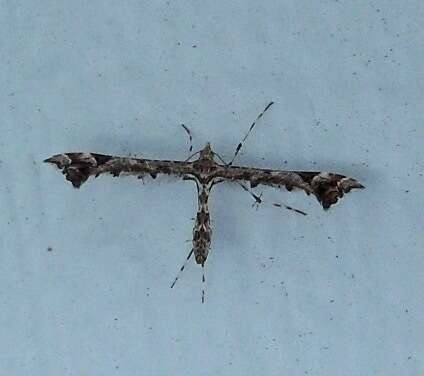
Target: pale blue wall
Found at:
333, 293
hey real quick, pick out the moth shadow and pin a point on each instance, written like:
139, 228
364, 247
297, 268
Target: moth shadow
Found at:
147, 146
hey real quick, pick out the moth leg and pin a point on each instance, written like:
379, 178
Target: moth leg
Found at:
220, 158
188, 177
203, 282
258, 199
182, 268
278, 205
239, 146
191, 156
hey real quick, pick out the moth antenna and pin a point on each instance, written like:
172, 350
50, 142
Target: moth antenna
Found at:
239, 146
203, 282
182, 268
189, 136
290, 208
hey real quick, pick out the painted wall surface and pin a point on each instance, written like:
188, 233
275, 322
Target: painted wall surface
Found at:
85, 274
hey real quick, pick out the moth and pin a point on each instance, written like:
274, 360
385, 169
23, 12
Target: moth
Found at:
206, 171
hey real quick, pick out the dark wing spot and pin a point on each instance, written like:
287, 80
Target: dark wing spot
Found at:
77, 175
101, 158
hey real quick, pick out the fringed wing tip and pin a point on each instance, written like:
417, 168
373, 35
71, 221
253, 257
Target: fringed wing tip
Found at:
329, 188
76, 171
60, 160
350, 183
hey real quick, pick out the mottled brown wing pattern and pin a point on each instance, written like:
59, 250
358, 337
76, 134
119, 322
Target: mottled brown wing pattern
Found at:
78, 167
327, 187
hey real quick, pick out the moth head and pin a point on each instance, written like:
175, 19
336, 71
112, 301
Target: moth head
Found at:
206, 152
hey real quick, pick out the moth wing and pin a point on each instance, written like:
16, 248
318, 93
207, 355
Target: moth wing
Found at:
78, 167
327, 187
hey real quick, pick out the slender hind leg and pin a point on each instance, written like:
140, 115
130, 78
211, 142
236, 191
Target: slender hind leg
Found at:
259, 200
289, 208
203, 283
182, 268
